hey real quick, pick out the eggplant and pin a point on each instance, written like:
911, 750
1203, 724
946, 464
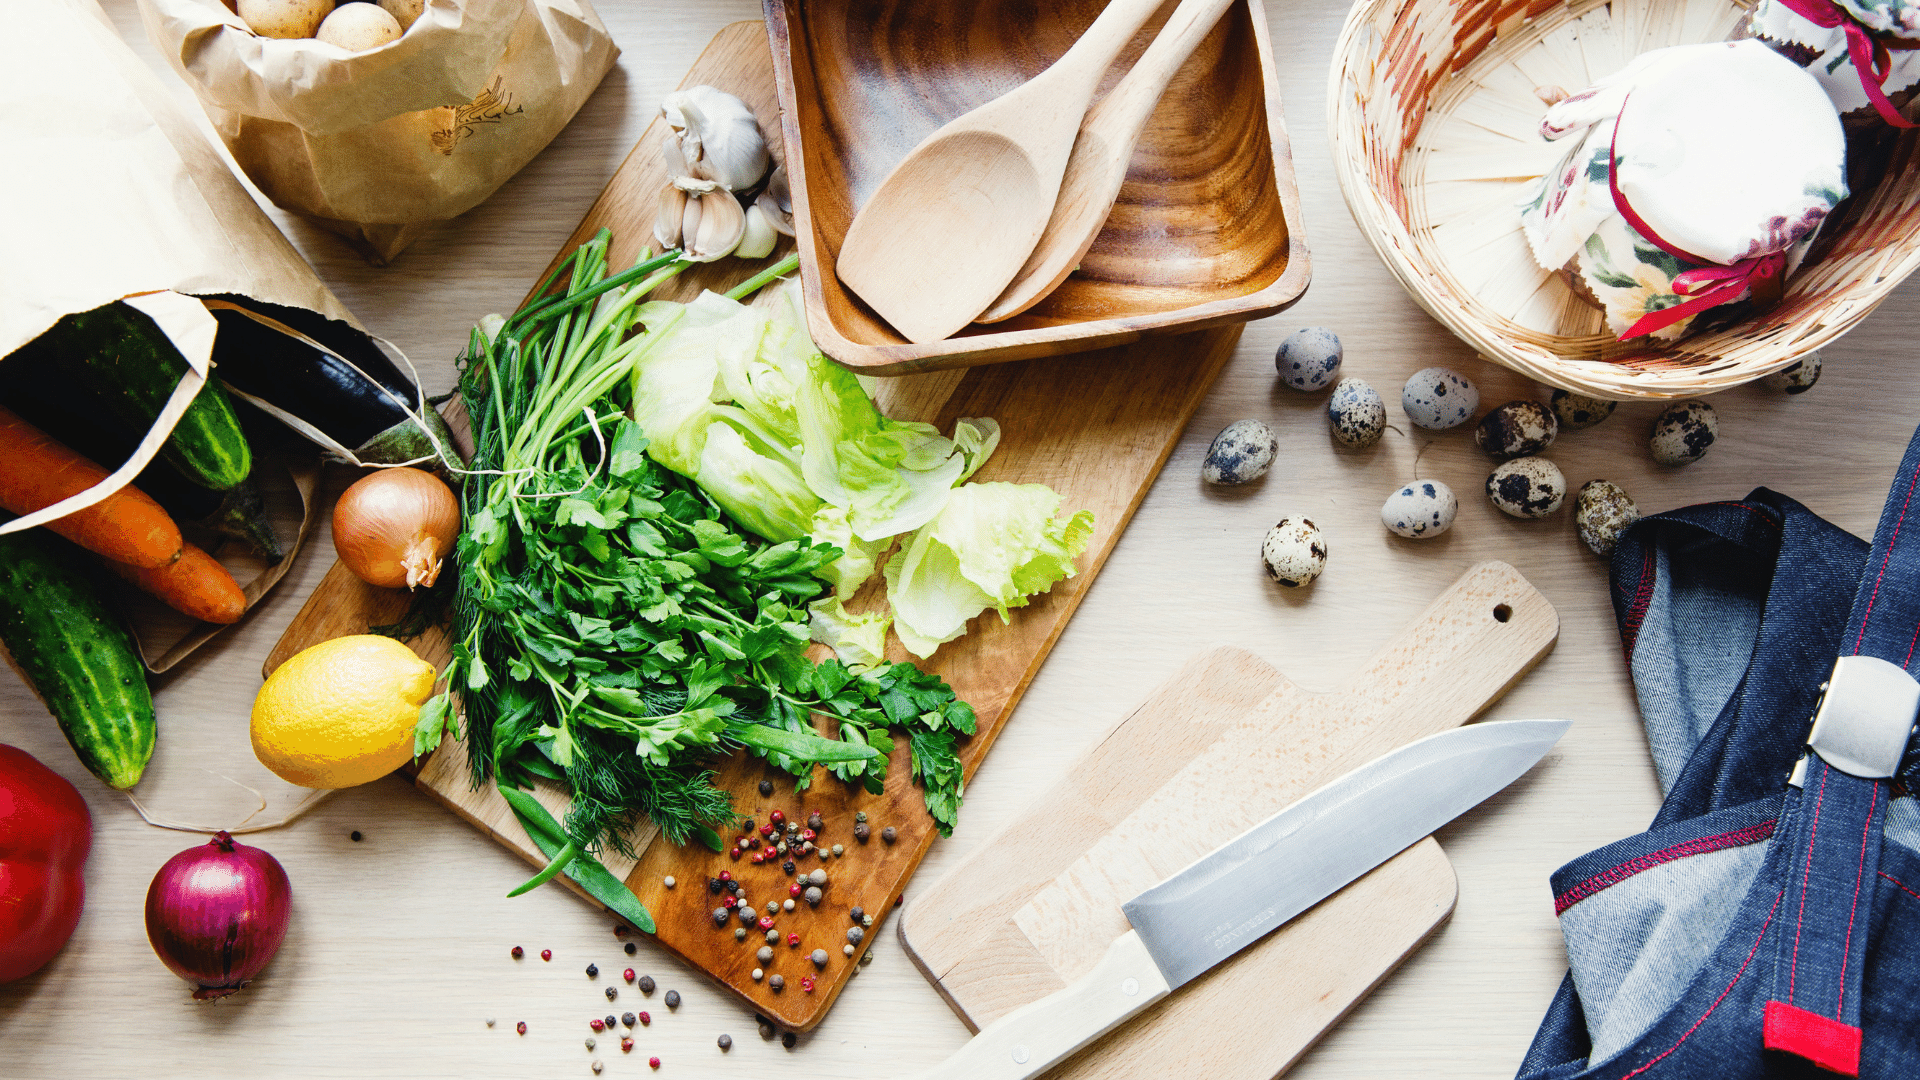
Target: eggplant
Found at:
355, 410
237, 512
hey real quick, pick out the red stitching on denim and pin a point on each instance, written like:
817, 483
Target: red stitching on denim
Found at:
1752, 834
1764, 518
1911, 642
1901, 884
1637, 611
1806, 876
1886, 556
1762, 936
1866, 832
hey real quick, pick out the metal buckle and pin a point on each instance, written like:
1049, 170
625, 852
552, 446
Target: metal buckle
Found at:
1865, 718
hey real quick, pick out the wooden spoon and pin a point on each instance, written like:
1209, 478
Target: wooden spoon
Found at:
1098, 165
954, 221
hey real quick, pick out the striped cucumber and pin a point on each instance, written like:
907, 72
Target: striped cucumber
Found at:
116, 359
76, 654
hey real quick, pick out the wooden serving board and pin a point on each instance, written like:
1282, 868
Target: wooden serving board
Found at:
1223, 744
1096, 428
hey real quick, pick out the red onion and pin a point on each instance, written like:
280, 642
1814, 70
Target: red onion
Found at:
216, 914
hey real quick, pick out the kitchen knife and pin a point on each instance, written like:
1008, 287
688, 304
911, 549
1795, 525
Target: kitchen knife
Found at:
1238, 893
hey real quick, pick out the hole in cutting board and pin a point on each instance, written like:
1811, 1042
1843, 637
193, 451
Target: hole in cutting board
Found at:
1501, 613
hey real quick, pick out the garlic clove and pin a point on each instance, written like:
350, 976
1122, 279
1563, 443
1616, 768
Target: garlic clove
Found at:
759, 236
718, 137
722, 223
777, 201
667, 222
690, 222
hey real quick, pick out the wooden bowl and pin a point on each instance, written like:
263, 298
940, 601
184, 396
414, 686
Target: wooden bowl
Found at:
1207, 227
1434, 110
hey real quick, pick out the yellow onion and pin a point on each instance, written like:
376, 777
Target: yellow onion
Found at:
394, 526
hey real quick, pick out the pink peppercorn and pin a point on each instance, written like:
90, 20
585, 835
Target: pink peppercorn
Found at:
793, 940
521, 1027
597, 1025
766, 922
734, 854
518, 952
645, 1019
726, 875
794, 889
653, 1063
626, 1046
766, 830
777, 817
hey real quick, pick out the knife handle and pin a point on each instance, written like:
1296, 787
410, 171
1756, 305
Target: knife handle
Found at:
1037, 1036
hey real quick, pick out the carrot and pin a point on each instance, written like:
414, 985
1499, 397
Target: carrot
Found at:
195, 584
126, 526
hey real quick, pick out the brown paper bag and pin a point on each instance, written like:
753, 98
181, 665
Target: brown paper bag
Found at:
380, 145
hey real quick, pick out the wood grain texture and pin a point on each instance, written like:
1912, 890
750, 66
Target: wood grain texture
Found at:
1128, 407
1225, 743
1205, 232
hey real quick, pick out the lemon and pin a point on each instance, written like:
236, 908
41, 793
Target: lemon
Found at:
341, 712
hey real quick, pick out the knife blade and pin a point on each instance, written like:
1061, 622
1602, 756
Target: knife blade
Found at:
1291, 861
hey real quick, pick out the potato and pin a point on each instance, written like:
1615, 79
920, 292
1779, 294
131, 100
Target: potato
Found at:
404, 11
283, 18
359, 27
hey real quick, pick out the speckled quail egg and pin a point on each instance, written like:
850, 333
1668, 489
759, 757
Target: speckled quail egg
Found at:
1601, 512
1682, 434
1577, 411
359, 27
1439, 398
1421, 509
1294, 552
1516, 429
1797, 379
1528, 487
1357, 414
283, 18
1242, 452
1309, 359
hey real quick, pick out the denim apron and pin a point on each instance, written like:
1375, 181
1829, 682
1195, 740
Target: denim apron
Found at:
1768, 923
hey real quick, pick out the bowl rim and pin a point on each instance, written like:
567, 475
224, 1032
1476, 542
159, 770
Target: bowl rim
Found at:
999, 347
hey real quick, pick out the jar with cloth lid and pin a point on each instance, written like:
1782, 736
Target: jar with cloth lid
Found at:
1699, 176
1864, 53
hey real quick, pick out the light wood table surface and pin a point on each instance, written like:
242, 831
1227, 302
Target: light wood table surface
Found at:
398, 948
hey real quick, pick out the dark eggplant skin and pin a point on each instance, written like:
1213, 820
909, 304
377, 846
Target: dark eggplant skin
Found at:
306, 382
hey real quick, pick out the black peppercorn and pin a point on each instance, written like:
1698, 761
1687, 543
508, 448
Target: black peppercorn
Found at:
861, 830
714, 885
787, 1040
725, 1042
612, 993
627, 1019
673, 999
778, 983
720, 916
646, 984
787, 866
632, 948
857, 913
355, 836
888, 834
766, 787
813, 821
608, 1022
593, 970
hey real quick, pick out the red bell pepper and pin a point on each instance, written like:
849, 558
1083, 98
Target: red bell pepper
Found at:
45, 834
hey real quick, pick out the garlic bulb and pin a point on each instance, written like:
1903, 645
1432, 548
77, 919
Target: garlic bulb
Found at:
777, 202
711, 220
716, 137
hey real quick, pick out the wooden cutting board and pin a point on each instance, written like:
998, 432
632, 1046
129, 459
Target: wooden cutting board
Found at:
1222, 745
1095, 427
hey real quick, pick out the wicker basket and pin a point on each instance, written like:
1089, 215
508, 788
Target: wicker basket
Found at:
1434, 108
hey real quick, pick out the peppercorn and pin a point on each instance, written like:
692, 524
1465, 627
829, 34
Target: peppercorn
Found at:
867, 921
668, 882
788, 905
628, 1019
781, 847
839, 850
758, 859
608, 1021
714, 885
814, 894
725, 1043
777, 983
489, 1021
787, 1040
355, 836
766, 922
766, 1026
597, 1066
646, 984
861, 831
734, 854
773, 906
518, 952
626, 1046
766, 787
777, 817
793, 828
846, 950
787, 866
855, 935
593, 971
813, 821
808, 833
597, 1025
866, 958
766, 830
739, 933
860, 816
818, 877
857, 913
612, 993
747, 916
773, 937
653, 1063
729, 903
591, 1043
806, 984
632, 948
793, 889
521, 1027
758, 974
726, 875
645, 1019
546, 954
793, 941
888, 834
673, 999
819, 958
719, 916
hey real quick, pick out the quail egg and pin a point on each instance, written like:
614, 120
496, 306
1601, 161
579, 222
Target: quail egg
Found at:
1294, 552
1357, 414
1309, 359
1421, 509
1601, 512
1577, 411
1797, 379
1516, 429
1528, 487
1242, 452
1682, 434
1439, 398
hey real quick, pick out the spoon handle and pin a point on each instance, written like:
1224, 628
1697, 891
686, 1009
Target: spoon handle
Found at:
1088, 60
1122, 113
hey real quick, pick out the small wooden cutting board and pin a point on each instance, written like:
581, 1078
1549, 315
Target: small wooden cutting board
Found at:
1225, 743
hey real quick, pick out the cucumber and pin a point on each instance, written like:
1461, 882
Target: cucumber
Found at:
116, 358
76, 654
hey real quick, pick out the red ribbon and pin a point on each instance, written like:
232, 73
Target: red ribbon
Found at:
1869, 54
1705, 286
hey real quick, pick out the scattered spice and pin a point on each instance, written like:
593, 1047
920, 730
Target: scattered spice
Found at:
668, 882
608, 1022
355, 836
517, 952
521, 1027
612, 993
857, 913
861, 831
627, 975
673, 999
814, 822
846, 950
793, 941
739, 933
766, 787
777, 817
818, 877
897, 899
765, 955
593, 971
758, 974
855, 935
814, 895
787, 866
726, 1043
726, 875
714, 885
866, 958
597, 1066
646, 984
766, 1026
766, 923
867, 921
597, 1025
653, 1063
627, 1019
777, 983
839, 850
590, 1043
632, 948
787, 1040
546, 954
489, 1021
626, 1046
645, 1019
788, 905
719, 916
819, 958
860, 816
888, 834
773, 937
806, 984
734, 854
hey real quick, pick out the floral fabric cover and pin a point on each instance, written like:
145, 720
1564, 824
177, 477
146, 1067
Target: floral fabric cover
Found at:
1823, 50
1717, 184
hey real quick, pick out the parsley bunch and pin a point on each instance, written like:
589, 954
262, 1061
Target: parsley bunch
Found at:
614, 628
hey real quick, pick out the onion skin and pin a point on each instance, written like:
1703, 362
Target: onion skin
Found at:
217, 913
394, 527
